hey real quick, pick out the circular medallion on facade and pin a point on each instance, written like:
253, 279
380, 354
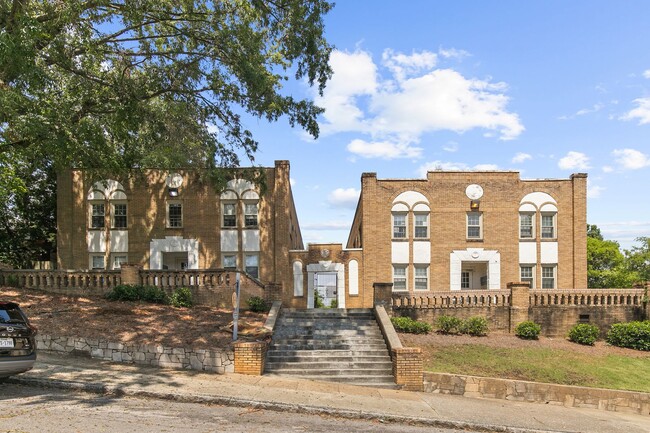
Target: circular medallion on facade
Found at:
325, 253
474, 191
475, 255
174, 180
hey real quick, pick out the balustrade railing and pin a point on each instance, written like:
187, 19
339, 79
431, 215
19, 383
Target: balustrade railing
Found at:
60, 279
454, 299
592, 297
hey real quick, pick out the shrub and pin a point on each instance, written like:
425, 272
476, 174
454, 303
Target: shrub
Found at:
318, 301
633, 335
132, 292
408, 325
449, 325
181, 298
584, 333
476, 326
528, 330
334, 303
124, 292
257, 304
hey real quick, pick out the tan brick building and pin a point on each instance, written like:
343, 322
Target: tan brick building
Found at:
450, 231
177, 220
471, 230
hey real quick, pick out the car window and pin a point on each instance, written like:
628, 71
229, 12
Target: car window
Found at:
10, 315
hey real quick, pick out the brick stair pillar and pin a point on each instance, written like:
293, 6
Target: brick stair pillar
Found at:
519, 303
408, 369
250, 357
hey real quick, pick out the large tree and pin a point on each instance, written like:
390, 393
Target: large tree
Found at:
638, 259
606, 265
117, 84
154, 82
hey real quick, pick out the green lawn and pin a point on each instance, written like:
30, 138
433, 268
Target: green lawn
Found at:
542, 365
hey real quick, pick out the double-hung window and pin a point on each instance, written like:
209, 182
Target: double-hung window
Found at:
548, 277
119, 215
97, 214
527, 275
526, 225
174, 215
399, 278
97, 262
548, 226
399, 225
250, 214
252, 265
118, 260
229, 261
421, 225
421, 277
474, 225
229, 215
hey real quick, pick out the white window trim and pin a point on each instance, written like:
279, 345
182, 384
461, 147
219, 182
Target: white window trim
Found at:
406, 224
114, 256
257, 214
480, 226
554, 219
257, 255
91, 264
532, 225
223, 214
176, 202
228, 253
426, 225
113, 204
415, 276
92, 203
554, 267
533, 272
406, 277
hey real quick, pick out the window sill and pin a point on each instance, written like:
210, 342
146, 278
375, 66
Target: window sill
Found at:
474, 240
251, 227
229, 228
173, 228
421, 239
548, 239
527, 240
96, 228
400, 239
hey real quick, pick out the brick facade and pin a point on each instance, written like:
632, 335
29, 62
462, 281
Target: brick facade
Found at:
443, 195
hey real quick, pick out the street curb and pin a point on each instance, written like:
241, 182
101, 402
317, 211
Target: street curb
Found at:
99, 388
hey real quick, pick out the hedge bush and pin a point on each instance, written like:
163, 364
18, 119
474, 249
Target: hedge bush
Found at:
584, 333
633, 335
528, 330
408, 325
257, 304
182, 298
449, 325
475, 326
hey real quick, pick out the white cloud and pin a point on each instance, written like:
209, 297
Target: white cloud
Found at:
574, 160
402, 65
521, 157
631, 159
383, 149
451, 53
412, 99
329, 225
608, 168
453, 166
593, 191
450, 147
595, 108
344, 197
646, 73
641, 112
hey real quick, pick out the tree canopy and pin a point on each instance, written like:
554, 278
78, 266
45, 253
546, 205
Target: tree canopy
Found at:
123, 84
608, 267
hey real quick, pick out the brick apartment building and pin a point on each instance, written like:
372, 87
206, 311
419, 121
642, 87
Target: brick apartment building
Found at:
450, 231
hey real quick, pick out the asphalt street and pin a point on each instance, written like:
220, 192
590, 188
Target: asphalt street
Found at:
28, 409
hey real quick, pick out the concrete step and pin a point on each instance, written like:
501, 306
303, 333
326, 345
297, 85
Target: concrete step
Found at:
325, 345
330, 335
352, 379
340, 366
327, 354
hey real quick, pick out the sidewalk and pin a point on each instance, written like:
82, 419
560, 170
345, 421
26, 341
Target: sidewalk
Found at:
323, 398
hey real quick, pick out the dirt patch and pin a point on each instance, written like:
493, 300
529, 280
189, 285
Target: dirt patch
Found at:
133, 322
500, 340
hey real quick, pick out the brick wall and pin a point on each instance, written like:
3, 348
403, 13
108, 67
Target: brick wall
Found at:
250, 357
407, 368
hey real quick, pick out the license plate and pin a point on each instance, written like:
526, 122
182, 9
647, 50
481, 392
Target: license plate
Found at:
7, 342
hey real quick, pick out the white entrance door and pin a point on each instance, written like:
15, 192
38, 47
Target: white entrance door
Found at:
325, 286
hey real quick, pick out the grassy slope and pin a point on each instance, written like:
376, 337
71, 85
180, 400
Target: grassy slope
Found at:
542, 365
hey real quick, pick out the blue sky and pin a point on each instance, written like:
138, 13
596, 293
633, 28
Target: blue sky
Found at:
545, 88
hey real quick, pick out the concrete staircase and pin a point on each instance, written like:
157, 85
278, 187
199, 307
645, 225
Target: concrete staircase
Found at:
336, 345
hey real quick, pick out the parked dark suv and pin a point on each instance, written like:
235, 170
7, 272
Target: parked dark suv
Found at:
17, 345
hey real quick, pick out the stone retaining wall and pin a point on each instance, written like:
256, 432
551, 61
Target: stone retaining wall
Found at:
519, 390
217, 360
